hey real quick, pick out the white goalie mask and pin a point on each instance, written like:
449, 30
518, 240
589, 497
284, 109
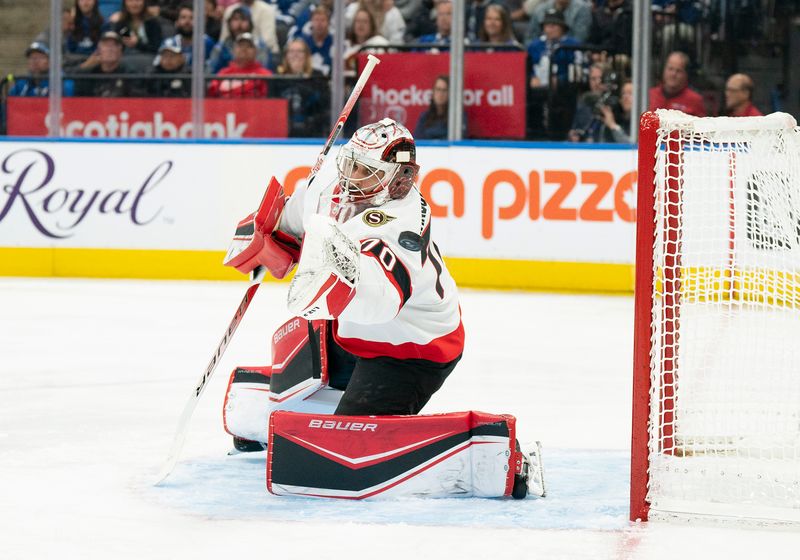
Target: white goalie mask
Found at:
378, 164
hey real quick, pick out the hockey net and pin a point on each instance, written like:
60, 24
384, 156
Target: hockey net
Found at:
716, 419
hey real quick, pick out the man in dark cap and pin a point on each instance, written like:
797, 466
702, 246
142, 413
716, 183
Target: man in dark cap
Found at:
543, 51
169, 62
549, 73
577, 15
107, 59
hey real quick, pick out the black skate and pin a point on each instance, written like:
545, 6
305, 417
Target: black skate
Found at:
241, 445
529, 476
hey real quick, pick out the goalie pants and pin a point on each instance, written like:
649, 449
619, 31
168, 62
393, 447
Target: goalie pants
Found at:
383, 385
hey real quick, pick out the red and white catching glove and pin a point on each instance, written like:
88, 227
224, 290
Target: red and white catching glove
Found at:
257, 241
328, 271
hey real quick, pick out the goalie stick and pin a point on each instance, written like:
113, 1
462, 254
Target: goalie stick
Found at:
256, 276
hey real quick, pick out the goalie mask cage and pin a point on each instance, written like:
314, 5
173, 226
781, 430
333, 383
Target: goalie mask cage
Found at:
716, 391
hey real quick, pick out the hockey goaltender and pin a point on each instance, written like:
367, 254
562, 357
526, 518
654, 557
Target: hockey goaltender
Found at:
376, 331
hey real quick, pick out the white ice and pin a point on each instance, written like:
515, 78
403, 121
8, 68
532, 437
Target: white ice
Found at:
94, 375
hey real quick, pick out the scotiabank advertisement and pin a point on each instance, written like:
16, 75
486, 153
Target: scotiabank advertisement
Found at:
401, 87
570, 205
90, 117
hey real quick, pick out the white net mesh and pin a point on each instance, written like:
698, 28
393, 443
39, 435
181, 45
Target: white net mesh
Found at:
725, 346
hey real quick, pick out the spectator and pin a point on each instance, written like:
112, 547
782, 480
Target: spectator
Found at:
423, 22
496, 27
612, 27
108, 8
432, 124
222, 53
739, 97
106, 60
140, 32
408, 9
388, 18
244, 62
362, 34
297, 61
475, 12
676, 21
320, 40
444, 20
617, 117
299, 16
184, 26
551, 97
519, 18
674, 91
585, 122
263, 17
86, 28
167, 9
213, 20
37, 82
577, 15
545, 54
67, 25
170, 60
307, 92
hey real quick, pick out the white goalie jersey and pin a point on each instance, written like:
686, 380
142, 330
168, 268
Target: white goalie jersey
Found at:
405, 303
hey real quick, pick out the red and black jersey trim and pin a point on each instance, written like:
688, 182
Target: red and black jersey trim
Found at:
397, 273
303, 467
426, 243
435, 261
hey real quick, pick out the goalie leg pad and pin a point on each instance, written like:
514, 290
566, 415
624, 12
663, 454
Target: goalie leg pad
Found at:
463, 454
295, 381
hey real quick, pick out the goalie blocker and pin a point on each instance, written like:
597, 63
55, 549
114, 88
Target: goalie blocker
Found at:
461, 454
258, 242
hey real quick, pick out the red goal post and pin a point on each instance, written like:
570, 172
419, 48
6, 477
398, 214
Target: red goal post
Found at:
716, 388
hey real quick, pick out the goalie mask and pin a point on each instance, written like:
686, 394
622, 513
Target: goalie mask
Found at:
378, 164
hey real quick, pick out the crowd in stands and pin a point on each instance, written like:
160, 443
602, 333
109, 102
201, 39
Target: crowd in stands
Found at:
578, 55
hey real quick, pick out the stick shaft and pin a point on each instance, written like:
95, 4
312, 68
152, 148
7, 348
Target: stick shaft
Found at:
183, 423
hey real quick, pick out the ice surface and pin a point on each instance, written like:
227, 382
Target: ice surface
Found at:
94, 375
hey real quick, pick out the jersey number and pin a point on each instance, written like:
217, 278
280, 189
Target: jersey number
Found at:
396, 271
385, 255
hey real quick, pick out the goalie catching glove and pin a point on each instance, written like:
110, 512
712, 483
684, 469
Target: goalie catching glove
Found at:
328, 271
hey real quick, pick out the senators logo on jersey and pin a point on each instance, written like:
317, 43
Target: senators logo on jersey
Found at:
376, 218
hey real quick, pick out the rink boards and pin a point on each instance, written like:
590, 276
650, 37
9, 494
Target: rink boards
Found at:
506, 215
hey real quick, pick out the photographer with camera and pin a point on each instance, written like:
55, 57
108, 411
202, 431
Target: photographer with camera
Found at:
603, 113
617, 117
586, 115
